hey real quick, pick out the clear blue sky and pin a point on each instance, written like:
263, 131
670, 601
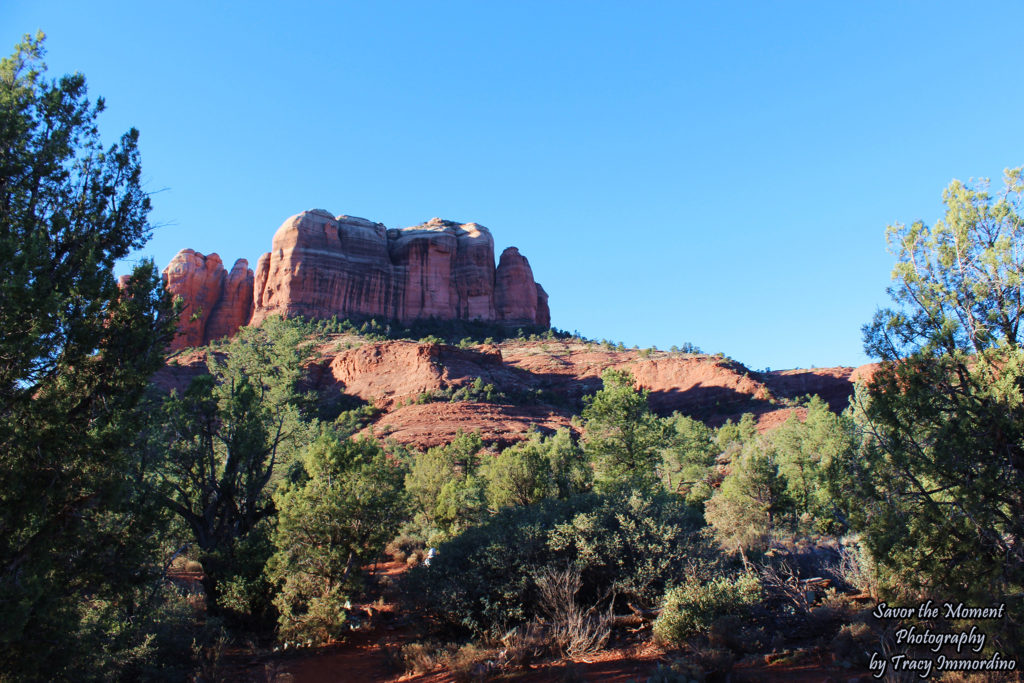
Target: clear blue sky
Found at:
719, 173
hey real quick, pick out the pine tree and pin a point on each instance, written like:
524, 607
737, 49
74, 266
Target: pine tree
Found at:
347, 505
225, 442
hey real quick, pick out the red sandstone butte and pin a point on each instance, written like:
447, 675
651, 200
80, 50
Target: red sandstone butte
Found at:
321, 266
516, 294
216, 303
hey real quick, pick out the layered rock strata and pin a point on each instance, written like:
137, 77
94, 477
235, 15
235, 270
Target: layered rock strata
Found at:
321, 266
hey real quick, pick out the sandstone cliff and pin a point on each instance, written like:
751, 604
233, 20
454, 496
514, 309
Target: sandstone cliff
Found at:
321, 266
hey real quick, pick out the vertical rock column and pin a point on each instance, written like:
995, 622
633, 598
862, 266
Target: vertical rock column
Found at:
235, 306
199, 281
515, 292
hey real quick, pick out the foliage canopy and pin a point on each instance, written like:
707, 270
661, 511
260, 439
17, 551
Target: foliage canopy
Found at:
233, 433
622, 436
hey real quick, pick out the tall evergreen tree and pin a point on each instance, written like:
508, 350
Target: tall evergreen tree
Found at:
348, 504
938, 487
227, 441
622, 435
76, 353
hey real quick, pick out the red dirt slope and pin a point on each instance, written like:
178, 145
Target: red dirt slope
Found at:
537, 384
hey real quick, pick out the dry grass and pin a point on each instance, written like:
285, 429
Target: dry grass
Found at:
981, 677
421, 658
467, 663
403, 547
574, 630
781, 582
471, 663
522, 645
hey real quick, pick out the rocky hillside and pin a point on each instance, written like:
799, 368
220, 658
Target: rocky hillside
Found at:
425, 393
321, 266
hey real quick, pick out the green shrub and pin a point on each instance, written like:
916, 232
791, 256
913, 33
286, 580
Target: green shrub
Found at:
537, 468
692, 607
328, 526
446, 492
150, 644
243, 593
352, 421
485, 579
752, 501
476, 392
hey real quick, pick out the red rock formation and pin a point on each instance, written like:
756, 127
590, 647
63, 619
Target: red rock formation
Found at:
529, 375
260, 280
387, 373
199, 281
216, 303
234, 308
833, 385
321, 266
434, 424
423, 259
687, 384
543, 317
473, 273
515, 292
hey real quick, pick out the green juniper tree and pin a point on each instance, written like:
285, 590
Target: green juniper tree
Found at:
337, 517
747, 507
446, 490
805, 452
622, 436
688, 456
225, 442
937, 489
76, 353
537, 468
